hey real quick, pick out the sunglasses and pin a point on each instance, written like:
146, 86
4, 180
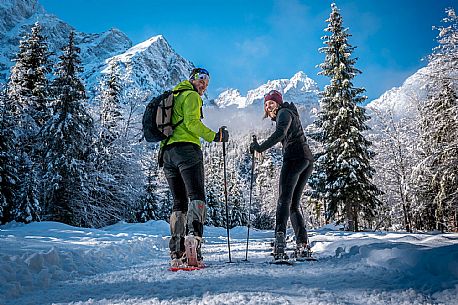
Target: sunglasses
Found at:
201, 74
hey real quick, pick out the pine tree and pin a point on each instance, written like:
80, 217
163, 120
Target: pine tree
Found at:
350, 194
150, 201
28, 85
28, 93
110, 109
67, 138
236, 202
27, 207
266, 182
113, 156
8, 161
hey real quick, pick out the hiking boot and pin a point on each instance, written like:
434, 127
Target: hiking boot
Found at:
280, 246
192, 245
302, 252
178, 259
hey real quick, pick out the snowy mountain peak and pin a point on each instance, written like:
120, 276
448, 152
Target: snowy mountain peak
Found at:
143, 46
150, 66
299, 89
403, 101
155, 44
301, 82
231, 97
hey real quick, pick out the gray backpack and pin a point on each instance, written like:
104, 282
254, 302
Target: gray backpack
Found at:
157, 119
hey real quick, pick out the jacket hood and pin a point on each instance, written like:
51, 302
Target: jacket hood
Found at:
185, 85
290, 106
286, 105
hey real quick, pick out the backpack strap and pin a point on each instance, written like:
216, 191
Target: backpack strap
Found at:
166, 141
180, 121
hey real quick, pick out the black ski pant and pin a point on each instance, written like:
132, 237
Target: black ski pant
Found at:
184, 170
293, 178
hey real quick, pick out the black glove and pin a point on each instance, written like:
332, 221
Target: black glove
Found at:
222, 135
254, 146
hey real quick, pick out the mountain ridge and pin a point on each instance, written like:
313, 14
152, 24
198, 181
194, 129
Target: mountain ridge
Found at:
298, 89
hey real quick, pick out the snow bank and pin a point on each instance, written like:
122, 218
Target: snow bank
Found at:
33, 255
429, 262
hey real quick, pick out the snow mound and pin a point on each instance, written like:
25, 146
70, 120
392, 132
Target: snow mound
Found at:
34, 255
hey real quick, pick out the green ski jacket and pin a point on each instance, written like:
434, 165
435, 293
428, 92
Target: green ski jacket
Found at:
188, 106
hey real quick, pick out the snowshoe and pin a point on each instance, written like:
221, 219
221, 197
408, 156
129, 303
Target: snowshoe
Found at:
185, 268
303, 253
281, 259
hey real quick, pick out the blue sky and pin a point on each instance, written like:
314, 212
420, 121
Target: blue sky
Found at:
246, 43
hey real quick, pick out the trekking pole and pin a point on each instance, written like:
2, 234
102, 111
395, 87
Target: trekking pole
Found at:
249, 205
225, 198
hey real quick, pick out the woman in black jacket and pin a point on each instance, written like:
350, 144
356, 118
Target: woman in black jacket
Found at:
296, 169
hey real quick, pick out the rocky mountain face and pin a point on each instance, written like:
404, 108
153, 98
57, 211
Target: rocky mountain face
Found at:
18, 16
151, 66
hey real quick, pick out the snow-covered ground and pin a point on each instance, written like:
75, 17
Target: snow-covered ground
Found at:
52, 263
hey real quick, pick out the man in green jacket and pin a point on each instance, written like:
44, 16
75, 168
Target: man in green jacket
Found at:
184, 169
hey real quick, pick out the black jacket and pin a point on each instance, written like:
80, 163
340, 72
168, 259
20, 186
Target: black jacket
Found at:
289, 131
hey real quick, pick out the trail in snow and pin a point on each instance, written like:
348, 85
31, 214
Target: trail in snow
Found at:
50, 263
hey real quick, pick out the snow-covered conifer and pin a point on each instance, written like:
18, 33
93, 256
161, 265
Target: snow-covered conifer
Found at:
28, 94
8, 160
28, 85
350, 193
27, 207
113, 157
235, 185
110, 108
67, 139
155, 201
436, 174
214, 188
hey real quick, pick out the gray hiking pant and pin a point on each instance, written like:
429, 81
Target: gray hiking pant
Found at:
184, 170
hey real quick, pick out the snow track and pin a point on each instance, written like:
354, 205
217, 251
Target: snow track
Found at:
50, 263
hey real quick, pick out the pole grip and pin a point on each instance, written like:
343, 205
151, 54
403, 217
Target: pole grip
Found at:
254, 140
224, 143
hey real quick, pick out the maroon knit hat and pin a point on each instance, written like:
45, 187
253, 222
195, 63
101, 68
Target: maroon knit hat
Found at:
275, 96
